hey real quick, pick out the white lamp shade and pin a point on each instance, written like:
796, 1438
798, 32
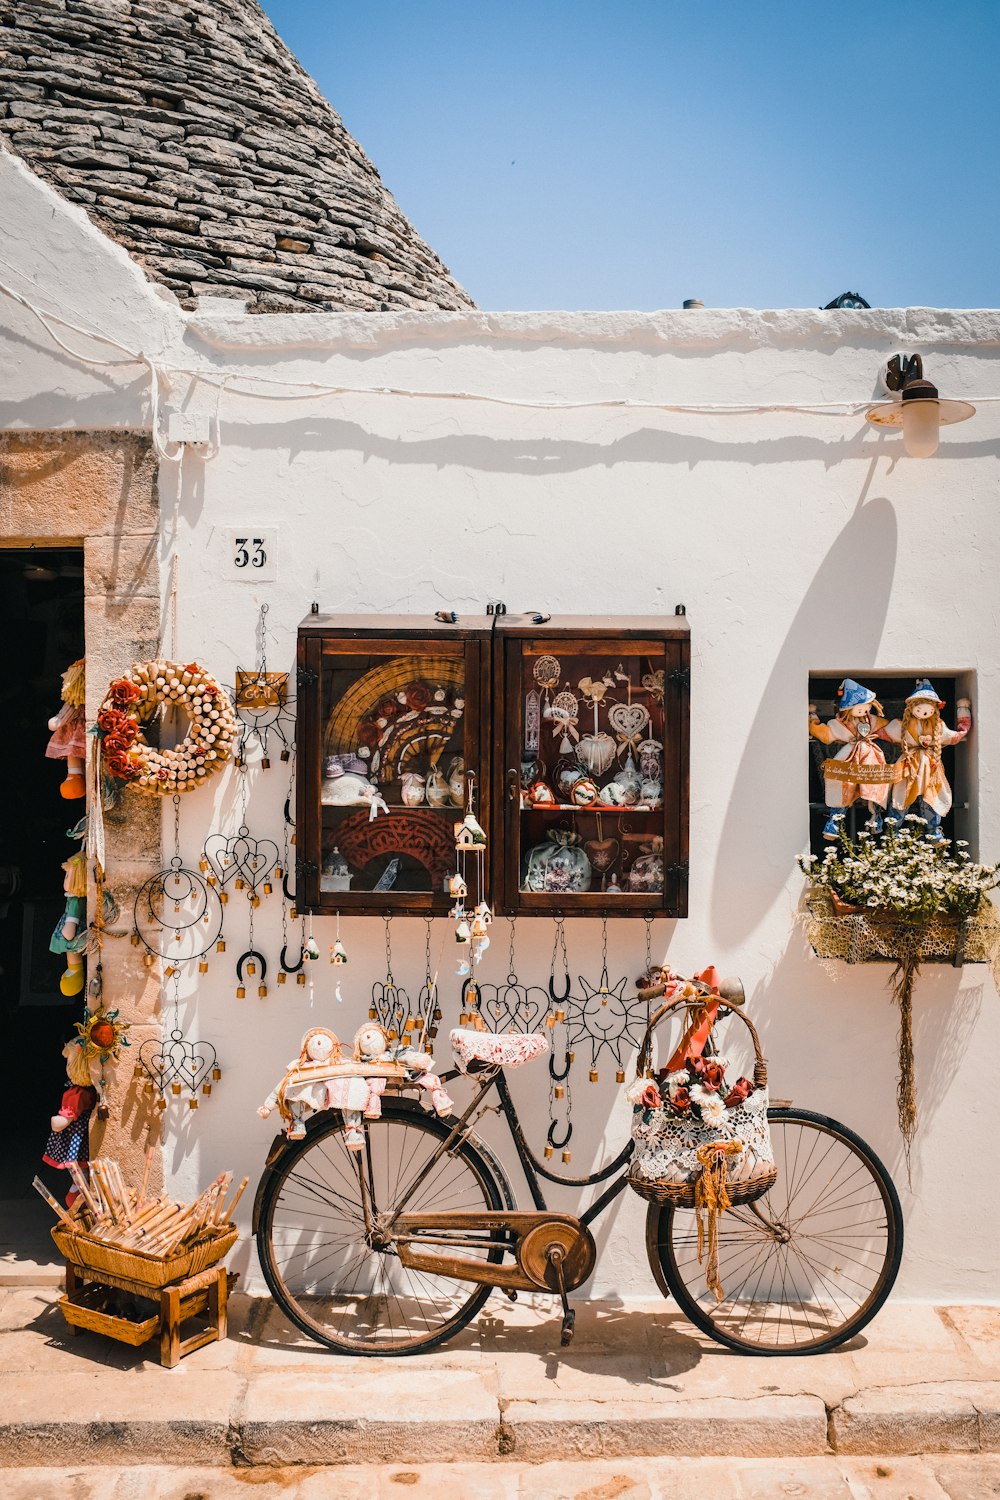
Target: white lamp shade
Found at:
921, 428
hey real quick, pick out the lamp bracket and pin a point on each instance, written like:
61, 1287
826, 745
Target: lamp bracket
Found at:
901, 369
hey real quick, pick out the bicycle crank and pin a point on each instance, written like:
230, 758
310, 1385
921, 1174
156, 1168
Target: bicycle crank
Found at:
554, 1252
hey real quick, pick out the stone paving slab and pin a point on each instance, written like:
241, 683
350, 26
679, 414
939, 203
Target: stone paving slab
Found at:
952, 1478
637, 1381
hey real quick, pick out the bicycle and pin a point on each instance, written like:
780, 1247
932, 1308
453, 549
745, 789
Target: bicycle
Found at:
394, 1249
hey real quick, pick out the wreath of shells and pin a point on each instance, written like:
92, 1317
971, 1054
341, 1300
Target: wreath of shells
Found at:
131, 702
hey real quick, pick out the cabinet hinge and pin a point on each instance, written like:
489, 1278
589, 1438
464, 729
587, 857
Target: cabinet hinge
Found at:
681, 676
306, 677
679, 872
304, 868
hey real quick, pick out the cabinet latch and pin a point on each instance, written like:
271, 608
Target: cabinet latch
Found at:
679, 872
306, 677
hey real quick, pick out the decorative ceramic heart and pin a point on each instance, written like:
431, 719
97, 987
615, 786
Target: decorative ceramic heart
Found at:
595, 752
249, 859
628, 720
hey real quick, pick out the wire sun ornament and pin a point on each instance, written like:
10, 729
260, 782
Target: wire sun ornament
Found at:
262, 705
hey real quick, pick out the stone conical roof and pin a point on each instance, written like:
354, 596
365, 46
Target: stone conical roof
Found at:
190, 134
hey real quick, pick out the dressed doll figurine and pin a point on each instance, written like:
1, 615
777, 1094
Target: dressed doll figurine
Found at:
69, 731
420, 1067
304, 1089
858, 770
921, 733
358, 1094
69, 1140
70, 934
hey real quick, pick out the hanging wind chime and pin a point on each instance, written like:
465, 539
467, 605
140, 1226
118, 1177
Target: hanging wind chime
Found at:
177, 918
248, 864
404, 1019
603, 1019
472, 925
261, 701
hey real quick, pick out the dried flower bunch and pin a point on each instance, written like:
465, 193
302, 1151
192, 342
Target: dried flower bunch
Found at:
696, 1091
131, 702
902, 873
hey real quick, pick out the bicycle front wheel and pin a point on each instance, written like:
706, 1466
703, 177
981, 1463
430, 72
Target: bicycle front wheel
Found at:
806, 1266
334, 1275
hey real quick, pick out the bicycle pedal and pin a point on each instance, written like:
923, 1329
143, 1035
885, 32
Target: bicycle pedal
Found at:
568, 1326
510, 1293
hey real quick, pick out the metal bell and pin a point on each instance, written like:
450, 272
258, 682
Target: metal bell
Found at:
282, 976
261, 991
241, 993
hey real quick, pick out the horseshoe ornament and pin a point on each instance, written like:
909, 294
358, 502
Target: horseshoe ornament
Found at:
245, 957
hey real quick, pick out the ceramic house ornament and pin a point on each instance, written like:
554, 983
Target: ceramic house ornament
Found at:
921, 733
858, 770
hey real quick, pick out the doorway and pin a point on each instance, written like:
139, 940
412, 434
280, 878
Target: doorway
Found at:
42, 627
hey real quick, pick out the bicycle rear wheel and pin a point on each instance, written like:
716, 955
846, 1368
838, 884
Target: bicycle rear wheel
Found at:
806, 1266
331, 1275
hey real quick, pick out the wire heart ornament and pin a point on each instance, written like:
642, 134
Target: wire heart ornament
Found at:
241, 857
629, 722
512, 1006
177, 1061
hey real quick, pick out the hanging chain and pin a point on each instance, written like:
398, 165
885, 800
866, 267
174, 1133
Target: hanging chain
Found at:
177, 825
262, 638
511, 970
604, 956
390, 981
427, 952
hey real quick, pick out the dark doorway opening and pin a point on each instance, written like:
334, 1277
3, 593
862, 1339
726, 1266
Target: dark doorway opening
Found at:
42, 629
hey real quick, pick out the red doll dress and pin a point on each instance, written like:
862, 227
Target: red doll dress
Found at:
69, 738
73, 1143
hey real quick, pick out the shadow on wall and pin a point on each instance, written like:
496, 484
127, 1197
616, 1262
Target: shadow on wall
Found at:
857, 572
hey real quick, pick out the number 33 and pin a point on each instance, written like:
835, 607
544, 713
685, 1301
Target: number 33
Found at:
255, 558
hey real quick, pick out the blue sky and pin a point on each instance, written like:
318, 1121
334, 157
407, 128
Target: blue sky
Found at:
628, 154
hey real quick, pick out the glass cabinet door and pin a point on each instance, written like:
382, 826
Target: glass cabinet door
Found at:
392, 745
596, 775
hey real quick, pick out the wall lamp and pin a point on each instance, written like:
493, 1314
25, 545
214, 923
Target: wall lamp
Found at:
920, 411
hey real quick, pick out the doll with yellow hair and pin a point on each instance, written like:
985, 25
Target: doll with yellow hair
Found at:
922, 733
71, 933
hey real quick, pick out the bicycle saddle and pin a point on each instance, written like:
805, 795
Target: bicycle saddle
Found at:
496, 1049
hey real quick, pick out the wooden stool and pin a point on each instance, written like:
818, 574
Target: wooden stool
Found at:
206, 1292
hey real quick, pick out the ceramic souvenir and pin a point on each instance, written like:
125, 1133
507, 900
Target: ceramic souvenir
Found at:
412, 789
456, 781
335, 874
584, 792
438, 790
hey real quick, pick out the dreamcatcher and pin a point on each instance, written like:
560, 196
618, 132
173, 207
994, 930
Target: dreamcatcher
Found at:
407, 1020
177, 917
261, 700
511, 1006
248, 864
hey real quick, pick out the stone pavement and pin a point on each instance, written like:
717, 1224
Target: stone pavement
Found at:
637, 1382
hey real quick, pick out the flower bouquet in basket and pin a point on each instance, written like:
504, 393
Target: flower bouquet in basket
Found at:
701, 1137
902, 897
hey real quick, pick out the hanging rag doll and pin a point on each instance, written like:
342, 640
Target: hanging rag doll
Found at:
69, 727
303, 1090
858, 770
921, 733
71, 933
69, 1140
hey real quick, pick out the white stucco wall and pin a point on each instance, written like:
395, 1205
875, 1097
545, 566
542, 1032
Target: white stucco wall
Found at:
798, 542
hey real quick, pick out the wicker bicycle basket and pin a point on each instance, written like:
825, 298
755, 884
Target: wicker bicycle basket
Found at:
674, 1142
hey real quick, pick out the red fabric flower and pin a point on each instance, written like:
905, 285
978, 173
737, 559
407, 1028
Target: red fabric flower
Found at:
368, 733
650, 1097
680, 1099
417, 695
739, 1091
697, 1066
110, 719
713, 1076
124, 692
388, 708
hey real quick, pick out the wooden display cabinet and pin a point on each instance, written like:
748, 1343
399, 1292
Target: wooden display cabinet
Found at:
593, 772
392, 705
572, 733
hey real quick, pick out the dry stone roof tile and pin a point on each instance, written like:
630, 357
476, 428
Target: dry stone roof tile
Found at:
193, 137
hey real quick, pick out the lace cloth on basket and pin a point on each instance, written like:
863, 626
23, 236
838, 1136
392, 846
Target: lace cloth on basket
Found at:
666, 1145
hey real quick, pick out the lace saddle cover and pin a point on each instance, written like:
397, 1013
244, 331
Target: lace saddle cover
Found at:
666, 1145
